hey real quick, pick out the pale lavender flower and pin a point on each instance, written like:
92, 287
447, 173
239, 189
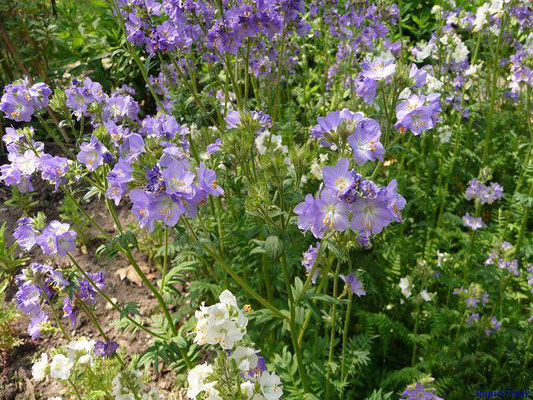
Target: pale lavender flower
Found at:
365, 141
356, 286
473, 222
25, 234
308, 260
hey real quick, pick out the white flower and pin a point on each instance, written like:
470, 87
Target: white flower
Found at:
261, 142
247, 388
445, 133
425, 295
38, 370
245, 357
433, 85
405, 286
436, 10
196, 378
481, 17
270, 385
55, 398
81, 348
60, 367
316, 170
222, 323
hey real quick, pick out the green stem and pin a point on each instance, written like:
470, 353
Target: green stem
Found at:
297, 349
345, 334
165, 260
111, 302
332, 332
247, 288
78, 395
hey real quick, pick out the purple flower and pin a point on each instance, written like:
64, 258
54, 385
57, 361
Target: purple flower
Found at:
473, 222
12, 139
132, 145
36, 323
365, 141
87, 291
20, 100
308, 260
472, 318
329, 124
53, 169
143, 208
333, 212
57, 238
418, 113
214, 147
118, 108
366, 88
91, 154
179, 179
370, 215
309, 215
69, 310
485, 194
25, 234
338, 178
105, 349
379, 69
167, 210
355, 284
118, 179
418, 76
419, 392
207, 180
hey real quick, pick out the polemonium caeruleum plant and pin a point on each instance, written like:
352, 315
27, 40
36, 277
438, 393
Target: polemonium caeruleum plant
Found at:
308, 158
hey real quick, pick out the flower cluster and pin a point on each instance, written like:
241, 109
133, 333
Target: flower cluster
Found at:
77, 353
55, 238
361, 133
483, 193
418, 391
500, 256
41, 284
214, 31
473, 223
21, 99
473, 295
418, 113
225, 324
222, 323
346, 193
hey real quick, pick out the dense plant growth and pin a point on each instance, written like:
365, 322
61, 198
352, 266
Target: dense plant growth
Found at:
320, 199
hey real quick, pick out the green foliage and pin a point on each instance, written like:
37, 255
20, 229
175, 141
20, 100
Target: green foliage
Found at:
9, 260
